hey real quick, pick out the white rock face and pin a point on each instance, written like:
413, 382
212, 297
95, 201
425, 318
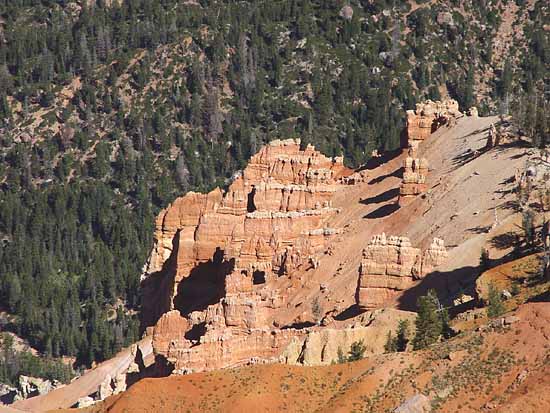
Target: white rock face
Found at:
33, 386
84, 402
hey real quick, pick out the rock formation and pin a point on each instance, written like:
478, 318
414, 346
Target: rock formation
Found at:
427, 118
218, 258
391, 265
414, 179
421, 123
321, 347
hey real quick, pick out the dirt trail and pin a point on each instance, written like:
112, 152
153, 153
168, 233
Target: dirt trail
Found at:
67, 396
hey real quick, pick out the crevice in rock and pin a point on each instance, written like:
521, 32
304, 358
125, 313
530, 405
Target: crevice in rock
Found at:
250, 205
258, 277
205, 284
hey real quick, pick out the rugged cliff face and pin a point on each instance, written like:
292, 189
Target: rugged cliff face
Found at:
220, 259
390, 265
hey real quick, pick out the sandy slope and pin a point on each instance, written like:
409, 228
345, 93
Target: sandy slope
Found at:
459, 207
479, 371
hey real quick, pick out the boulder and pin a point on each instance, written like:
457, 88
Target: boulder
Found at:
416, 404
7, 394
33, 386
84, 402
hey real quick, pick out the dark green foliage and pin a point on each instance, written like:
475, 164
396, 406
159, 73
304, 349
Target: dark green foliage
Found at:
528, 226
495, 306
484, 259
400, 341
60, 270
13, 364
391, 345
341, 357
357, 351
429, 324
402, 338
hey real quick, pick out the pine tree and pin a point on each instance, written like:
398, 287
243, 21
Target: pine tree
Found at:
402, 338
428, 322
357, 351
496, 307
390, 346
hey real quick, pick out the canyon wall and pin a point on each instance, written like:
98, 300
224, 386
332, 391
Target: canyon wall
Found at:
218, 258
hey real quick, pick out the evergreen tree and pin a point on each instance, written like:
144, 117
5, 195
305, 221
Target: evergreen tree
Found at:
402, 338
357, 350
495, 307
428, 322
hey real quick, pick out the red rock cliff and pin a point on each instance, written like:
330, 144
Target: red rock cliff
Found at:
218, 257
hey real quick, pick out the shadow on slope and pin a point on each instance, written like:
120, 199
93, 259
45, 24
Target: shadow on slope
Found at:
375, 162
445, 283
383, 211
382, 197
350, 312
448, 284
398, 173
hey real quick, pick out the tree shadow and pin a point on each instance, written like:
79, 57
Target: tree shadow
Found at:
504, 241
513, 205
383, 197
518, 143
541, 298
479, 230
398, 173
518, 155
446, 284
383, 211
467, 157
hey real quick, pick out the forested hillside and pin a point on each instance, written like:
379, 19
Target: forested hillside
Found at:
110, 109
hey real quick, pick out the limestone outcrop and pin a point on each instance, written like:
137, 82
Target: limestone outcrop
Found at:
218, 259
321, 346
428, 117
421, 123
391, 265
414, 179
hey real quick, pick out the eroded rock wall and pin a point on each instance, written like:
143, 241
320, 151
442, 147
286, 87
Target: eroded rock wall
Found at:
390, 265
212, 276
421, 123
